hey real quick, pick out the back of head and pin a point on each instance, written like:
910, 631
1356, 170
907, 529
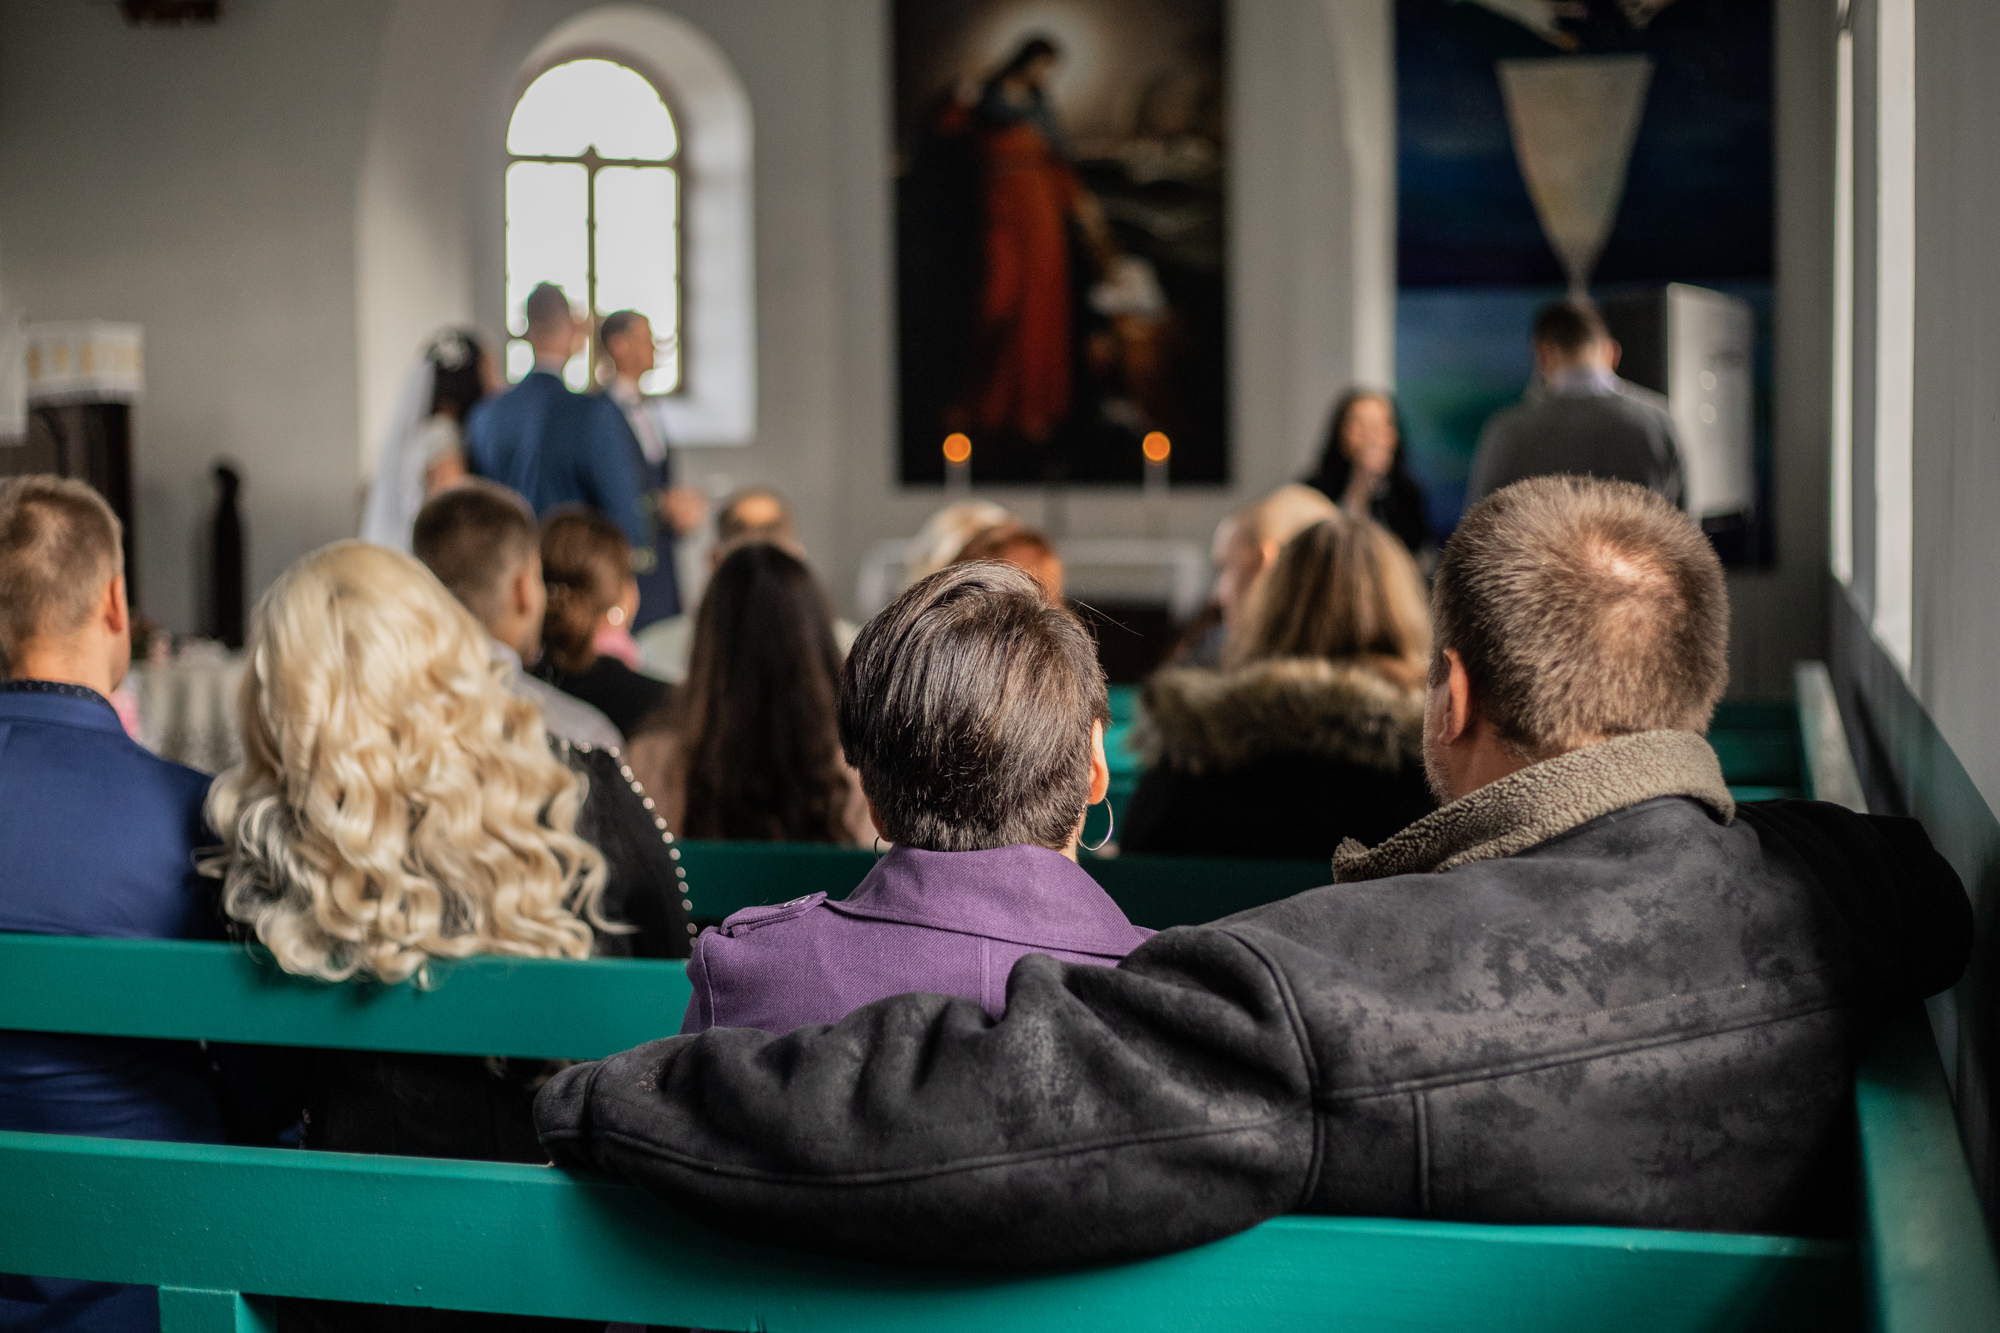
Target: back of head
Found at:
755, 514
1345, 589
473, 537
1583, 609
59, 545
586, 559
615, 326
548, 310
967, 705
458, 379
762, 757
944, 535
1569, 327
395, 802
1284, 514
1015, 543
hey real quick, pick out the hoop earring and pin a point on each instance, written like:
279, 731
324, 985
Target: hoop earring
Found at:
878, 847
1110, 824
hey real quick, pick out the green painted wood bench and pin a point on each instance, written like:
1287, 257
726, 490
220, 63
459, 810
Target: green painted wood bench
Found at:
219, 1228
207, 1223
1155, 891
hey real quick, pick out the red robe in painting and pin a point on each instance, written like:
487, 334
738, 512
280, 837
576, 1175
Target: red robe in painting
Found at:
1022, 376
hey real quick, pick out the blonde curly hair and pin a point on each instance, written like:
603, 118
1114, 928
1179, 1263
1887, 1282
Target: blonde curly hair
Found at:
395, 803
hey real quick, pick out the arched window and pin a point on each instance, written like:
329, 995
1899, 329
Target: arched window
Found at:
594, 205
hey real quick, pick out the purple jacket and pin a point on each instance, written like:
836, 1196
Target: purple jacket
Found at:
950, 923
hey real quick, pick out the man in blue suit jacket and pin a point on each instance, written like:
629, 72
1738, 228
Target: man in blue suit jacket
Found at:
100, 837
553, 446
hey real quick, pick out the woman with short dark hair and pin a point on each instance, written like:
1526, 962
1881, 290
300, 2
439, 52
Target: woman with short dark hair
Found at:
975, 710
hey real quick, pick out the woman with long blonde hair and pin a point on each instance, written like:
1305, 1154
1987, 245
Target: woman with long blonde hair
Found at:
397, 805
395, 802
1312, 731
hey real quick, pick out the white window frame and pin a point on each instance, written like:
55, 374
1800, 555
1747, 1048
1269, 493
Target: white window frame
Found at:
717, 401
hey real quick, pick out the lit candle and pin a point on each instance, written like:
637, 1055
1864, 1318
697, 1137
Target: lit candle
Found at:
1156, 448
958, 463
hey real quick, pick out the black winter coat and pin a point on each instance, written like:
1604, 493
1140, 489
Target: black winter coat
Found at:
1284, 757
1622, 1002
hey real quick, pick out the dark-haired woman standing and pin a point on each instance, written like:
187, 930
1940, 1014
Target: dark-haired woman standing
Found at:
1362, 468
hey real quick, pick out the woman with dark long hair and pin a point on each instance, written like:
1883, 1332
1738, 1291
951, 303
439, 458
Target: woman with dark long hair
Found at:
1363, 470
757, 752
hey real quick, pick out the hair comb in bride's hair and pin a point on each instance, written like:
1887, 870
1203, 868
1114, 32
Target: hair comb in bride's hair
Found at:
452, 350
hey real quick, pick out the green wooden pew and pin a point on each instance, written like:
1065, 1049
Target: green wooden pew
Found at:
1155, 891
219, 1228
208, 1223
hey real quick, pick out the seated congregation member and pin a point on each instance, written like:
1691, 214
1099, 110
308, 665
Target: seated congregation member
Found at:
1589, 989
975, 709
481, 542
944, 534
1023, 547
1246, 544
397, 804
754, 754
592, 595
752, 514
1314, 731
100, 837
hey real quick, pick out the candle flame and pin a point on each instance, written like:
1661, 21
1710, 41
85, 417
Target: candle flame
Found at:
957, 447
1156, 447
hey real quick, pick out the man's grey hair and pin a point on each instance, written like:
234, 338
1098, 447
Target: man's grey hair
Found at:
1582, 609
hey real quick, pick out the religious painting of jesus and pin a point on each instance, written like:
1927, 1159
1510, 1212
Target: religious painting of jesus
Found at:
1060, 245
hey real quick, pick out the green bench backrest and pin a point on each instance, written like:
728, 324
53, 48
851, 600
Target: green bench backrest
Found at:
1154, 891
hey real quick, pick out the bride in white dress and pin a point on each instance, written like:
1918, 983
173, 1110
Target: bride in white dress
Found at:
423, 451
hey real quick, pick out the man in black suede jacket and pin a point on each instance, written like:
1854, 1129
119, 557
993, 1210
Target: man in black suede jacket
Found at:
1588, 989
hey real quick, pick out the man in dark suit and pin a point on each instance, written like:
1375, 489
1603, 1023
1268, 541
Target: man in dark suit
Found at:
100, 838
553, 446
1579, 418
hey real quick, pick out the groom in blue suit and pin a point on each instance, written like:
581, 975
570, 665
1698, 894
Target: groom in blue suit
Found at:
553, 446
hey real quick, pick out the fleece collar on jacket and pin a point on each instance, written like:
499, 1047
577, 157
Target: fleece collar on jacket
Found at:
1544, 800
1202, 721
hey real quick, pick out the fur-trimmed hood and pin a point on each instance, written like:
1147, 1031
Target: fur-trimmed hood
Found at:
1199, 721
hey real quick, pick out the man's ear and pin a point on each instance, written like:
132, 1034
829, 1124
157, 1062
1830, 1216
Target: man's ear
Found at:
520, 595
117, 615
1458, 706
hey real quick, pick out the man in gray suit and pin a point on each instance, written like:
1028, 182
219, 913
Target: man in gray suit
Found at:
1579, 417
